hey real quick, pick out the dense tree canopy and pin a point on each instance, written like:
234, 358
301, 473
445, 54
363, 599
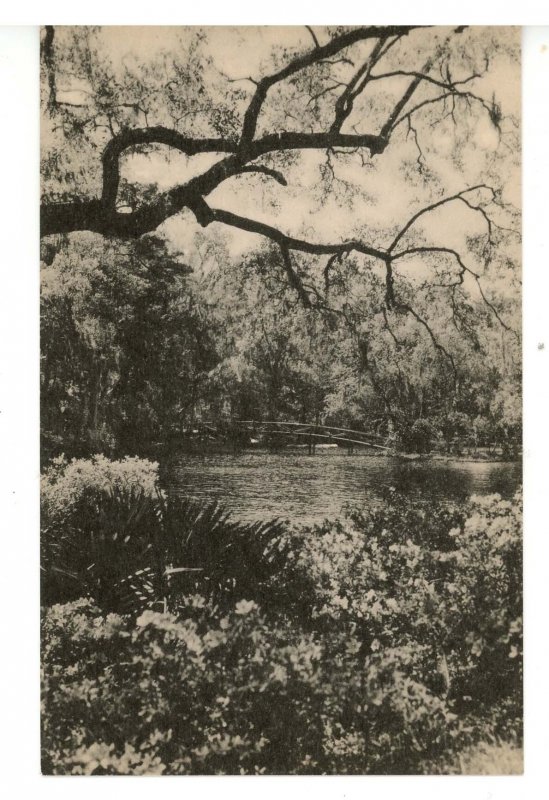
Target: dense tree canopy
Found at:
315, 222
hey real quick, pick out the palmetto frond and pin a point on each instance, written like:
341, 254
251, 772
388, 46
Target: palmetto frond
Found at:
130, 551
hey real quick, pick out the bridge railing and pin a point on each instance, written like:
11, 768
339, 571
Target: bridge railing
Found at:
310, 431
310, 426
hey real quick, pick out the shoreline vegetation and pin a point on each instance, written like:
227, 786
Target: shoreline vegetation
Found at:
232, 439
178, 640
497, 455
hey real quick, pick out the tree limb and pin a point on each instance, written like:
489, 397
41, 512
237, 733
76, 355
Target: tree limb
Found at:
438, 346
293, 278
313, 35
291, 242
332, 48
272, 173
135, 137
101, 215
426, 209
463, 268
345, 101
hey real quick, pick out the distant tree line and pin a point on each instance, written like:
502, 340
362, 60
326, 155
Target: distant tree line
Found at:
138, 348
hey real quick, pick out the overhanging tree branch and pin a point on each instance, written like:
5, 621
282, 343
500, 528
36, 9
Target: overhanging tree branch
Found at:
463, 269
291, 242
136, 137
345, 101
313, 35
262, 170
436, 343
101, 215
318, 54
293, 278
438, 204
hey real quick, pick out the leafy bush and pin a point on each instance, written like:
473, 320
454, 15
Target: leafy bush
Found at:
419, 574
418, 437
482, 604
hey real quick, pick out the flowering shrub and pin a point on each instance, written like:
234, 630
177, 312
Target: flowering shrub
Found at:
396, 647
224, 692
483, 602
441, 578
64, 483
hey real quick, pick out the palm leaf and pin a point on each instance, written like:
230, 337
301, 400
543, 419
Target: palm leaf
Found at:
130, 551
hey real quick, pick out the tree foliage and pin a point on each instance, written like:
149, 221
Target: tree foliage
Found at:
367, 174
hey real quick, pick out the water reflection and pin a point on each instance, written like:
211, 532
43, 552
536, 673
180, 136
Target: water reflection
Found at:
259, 485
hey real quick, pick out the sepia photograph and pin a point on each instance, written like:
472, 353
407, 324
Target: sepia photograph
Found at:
281, 400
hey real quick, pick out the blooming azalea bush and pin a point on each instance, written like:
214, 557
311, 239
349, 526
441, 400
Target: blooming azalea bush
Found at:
226, 691
482, 603
444, 578
64, 483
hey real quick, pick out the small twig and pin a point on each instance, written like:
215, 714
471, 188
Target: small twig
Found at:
313, 34
272, 173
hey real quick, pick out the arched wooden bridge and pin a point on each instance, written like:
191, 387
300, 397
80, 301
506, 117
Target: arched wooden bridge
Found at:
310, 434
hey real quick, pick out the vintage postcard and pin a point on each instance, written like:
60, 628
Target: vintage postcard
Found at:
281, 400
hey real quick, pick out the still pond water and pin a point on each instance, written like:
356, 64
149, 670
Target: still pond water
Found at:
309, 488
